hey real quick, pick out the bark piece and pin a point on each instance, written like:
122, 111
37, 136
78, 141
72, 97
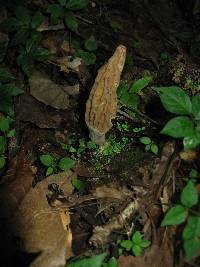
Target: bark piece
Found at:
101, 106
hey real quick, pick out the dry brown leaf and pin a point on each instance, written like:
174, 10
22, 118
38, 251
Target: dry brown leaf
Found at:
48, 92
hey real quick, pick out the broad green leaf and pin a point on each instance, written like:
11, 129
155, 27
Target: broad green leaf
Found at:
192, 140
91, 44
137, 250
3, 144
87, 57
47, 160
122, 88
196, 106
6, 76
20, 37
178, 127
10, 25
140, 84
57, 12
78, 184
145, 140
175, 100
112, 262
71, 21
4, 124
40, 54
189, 195
2, 162
95, 261
26, 63
49, 171
10, 90
191, 247
127, 244
76, 4
145, 243
11, 133
192, 228
33, 42
175, 216
22, 14
66, 163
130, 100
137, 237
193, 173
37, 20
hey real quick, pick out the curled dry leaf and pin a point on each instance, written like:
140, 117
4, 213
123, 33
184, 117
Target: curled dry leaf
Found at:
101, 106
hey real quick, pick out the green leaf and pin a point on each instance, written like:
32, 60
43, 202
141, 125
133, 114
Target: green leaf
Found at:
71, 21
196, 106
10, 25
3, 144
122, 88
62, 2
88, 58
145, 140
6, 76
10, 90
33, 42
148, 147
130, 100
175, 216
20, 37
192, 228
76, 4
47, 160
140, 84
26, 63
37, 20
191, 247
154, 149
4, 124
49, 171
11, 133
175, 100
91, 44
40, 54
57, 13
178, 127
6, 105
137, 250
112, 262
95, 261
191, 141
189, 195
2, 162
145, 243
66, 163
127, 244
22, 15
193, 173
137, 237
78, 184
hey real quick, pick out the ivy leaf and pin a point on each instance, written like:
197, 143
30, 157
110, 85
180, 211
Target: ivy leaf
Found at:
178, 127
175, 100
196, 106
6, 76
91, 44
90, 262
71, 21
22, 14
192, 228
140, 84
37, 20
66, 163
189, 195
76, 4
175, 216
47, 160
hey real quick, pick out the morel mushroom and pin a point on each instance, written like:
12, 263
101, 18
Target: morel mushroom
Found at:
101, 106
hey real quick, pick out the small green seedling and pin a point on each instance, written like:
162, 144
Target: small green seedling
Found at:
181, 213
187, 124
135, 245
112, 262
63, 164
149, 144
